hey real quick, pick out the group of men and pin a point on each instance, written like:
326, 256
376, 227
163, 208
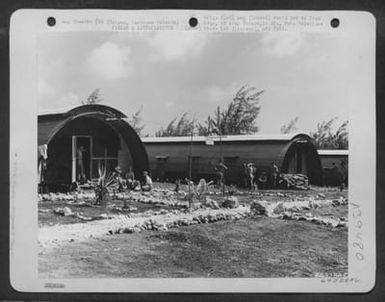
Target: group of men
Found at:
129, 182
122, 182
262, 182
250, 176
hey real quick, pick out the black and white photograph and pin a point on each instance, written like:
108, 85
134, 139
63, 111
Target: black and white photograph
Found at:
193, 153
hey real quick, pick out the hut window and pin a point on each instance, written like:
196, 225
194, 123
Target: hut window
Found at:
194, 160
109, 160
161, 158
230, 160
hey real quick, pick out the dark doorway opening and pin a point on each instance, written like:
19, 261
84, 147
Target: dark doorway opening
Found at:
81, 155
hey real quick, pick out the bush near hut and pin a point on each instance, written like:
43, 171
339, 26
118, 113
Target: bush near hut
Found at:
104, 183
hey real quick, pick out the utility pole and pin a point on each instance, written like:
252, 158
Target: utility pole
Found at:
190, 161
222, 161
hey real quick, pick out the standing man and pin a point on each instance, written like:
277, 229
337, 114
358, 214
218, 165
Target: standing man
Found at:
221, 168
344, 172
276, 174
80, 165
42, 155
251, 171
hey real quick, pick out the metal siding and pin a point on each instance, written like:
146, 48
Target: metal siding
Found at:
328, 160
261, 153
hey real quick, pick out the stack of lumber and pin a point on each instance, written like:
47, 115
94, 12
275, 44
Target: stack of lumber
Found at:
294, 181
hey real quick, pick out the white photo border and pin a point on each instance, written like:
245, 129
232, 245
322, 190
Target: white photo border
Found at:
27, 24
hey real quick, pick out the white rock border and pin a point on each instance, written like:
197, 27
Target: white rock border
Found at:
59, 234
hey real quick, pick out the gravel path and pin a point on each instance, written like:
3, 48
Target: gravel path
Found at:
50, 236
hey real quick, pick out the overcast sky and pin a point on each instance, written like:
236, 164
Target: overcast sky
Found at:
170, 73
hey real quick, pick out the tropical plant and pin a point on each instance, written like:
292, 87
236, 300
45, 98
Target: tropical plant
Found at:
182, 127
93, 98
324, 138
197, 193
135, 121
104, 183
290, 127
202, 190
238, 117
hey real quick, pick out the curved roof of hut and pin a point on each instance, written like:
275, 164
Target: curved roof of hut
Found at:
227, 138
50, 123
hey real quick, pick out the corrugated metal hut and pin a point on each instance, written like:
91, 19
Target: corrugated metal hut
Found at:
103, 132
335, 165
293, 153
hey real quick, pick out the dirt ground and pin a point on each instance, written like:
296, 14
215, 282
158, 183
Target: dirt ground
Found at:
260, 247
251, 247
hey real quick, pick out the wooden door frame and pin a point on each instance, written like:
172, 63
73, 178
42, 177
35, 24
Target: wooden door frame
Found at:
74, 148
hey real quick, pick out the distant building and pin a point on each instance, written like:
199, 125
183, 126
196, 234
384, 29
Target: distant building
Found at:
330, 171
169, 157
103, 133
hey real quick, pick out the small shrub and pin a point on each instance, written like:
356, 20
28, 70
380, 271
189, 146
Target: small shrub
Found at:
101, 188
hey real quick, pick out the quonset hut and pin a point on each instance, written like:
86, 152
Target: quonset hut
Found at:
104, 134
293, 153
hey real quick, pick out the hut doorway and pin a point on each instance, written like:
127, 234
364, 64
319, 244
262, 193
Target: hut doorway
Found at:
301, 157
160, 168
297, 159
78, 148
81, 157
